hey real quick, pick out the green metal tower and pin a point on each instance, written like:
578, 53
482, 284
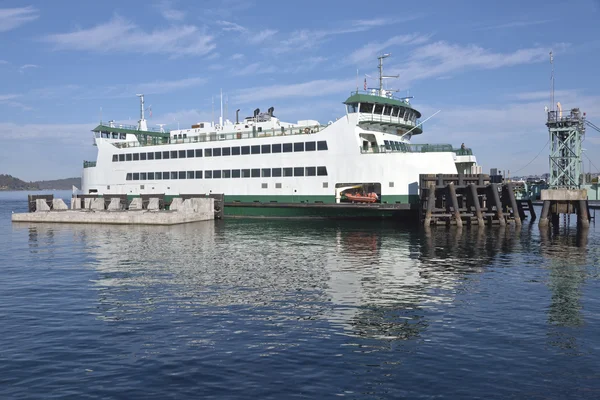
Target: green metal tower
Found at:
566, 134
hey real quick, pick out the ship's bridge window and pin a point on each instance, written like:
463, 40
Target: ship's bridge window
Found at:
395, 111
378, 109
115, 135
387, 110
366, 108
115, 157
351, 108
322, 145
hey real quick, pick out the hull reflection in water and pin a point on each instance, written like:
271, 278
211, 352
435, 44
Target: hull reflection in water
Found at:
372, 279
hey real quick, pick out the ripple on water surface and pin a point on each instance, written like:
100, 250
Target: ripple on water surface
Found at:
295, 309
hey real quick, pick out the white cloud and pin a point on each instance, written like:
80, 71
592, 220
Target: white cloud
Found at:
370, 51
229, 26
11, 18
22, 68
306, 38
2, 62
315, 88
252, 37
257, 38
440, 59
517, 24
120, 35
169, 13
236, 56
10, 100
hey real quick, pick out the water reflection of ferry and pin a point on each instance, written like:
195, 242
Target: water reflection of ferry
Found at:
371, 280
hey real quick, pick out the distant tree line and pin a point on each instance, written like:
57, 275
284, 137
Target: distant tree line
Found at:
9, 182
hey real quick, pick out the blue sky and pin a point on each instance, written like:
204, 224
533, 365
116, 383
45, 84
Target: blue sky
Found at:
486, 67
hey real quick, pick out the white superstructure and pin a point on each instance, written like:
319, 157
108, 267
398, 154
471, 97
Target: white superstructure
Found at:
260, 158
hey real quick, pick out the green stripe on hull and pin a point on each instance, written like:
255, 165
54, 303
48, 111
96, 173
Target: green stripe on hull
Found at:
302, 212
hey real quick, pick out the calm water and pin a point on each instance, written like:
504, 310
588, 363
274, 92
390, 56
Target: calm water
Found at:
270, 309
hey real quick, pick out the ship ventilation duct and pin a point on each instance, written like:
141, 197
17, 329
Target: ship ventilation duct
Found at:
237, 116
256, 112
271, 109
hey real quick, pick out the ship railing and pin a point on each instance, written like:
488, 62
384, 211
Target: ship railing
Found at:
217, 136
411, 148
389, 119
135, 128
463, 151
89, 164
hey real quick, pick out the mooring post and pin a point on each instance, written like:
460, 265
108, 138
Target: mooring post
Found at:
497, 203
583, 217
430, 204
475, 202
513, 203
454, 200
531, 210
545, 211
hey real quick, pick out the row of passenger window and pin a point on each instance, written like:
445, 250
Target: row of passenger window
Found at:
398, 146
224, 151
229, 173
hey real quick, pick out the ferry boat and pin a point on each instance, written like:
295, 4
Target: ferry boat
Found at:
268, 167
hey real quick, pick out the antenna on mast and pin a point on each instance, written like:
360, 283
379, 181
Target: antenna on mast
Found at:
381, 76
221, 117
142, 122
161, 126
552, 82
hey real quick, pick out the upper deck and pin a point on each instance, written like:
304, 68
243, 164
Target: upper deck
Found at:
384, 110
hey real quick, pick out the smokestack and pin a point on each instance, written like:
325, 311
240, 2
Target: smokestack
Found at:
271, 111
237, 116
256, 112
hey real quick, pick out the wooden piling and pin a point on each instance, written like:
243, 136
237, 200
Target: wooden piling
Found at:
513, 203
430, 205
531, 210
474, 200
454, 201
495, 201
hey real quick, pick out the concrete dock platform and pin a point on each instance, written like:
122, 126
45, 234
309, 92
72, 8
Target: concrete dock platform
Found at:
185, 211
